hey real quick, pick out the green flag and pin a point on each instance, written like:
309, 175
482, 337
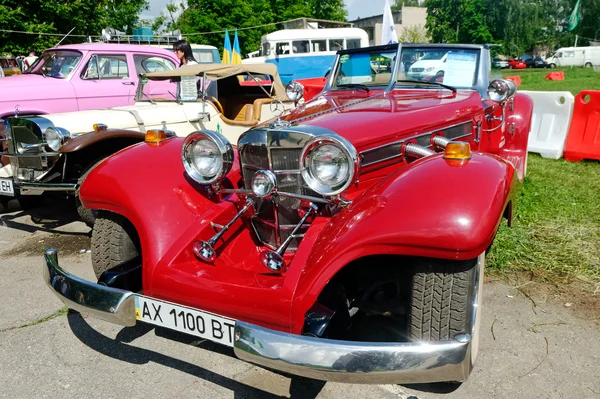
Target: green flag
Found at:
575, 16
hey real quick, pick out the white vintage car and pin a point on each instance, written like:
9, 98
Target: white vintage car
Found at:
55, 152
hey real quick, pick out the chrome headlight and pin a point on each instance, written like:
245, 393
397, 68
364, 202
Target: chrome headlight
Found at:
499, 90
294, 90
207, 156
329, 164
56, 137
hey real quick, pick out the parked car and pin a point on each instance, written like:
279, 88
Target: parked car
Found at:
538, 63
516, 64
54, 152
78, 77
10, 66
344, 241
427, 65
498, 63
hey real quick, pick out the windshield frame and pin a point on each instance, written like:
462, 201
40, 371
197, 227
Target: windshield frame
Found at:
37, 65
481, 74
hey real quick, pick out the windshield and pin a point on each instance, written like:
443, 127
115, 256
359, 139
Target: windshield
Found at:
56, 64
433, 55
456, 67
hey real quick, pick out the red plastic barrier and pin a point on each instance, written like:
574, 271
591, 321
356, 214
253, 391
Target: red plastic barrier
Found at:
312, 86
555, 76
516, 79
583, 140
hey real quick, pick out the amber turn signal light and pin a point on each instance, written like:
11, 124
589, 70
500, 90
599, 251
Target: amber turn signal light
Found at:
155, 136
99, 126
458, 150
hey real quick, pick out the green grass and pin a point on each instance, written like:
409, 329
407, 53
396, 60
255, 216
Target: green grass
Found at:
576, 79
556, 231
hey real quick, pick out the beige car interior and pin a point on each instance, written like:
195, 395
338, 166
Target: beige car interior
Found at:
240, 104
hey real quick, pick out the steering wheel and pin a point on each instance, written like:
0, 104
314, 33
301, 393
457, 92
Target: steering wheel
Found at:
216, 103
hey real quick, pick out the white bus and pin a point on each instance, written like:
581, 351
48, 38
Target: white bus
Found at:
306, 53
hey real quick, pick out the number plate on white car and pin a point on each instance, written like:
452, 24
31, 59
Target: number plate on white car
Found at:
187, 320
6, 187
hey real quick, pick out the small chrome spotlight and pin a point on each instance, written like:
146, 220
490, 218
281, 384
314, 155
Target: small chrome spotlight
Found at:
264, 183
272, 260
204, 251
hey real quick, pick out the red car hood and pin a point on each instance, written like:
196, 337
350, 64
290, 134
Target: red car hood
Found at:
377, 118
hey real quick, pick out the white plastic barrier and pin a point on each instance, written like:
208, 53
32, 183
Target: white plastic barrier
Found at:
552, 111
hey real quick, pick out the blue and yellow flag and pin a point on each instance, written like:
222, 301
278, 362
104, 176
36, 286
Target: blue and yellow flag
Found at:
227, 49
236, 57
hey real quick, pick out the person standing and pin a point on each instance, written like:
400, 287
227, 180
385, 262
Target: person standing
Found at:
30, 59
183, 51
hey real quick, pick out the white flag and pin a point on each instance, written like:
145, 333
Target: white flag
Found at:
388, 31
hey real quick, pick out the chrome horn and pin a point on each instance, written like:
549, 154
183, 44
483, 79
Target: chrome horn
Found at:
273, 260
205, 249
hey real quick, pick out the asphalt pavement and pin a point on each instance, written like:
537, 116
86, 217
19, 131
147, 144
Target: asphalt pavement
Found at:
546, 351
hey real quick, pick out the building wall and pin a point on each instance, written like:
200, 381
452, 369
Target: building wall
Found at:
409, 16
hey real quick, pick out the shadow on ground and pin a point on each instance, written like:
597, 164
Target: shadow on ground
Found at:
120, 350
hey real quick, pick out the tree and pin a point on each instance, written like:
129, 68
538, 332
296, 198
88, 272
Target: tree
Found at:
85, 17
248, 17
398, 4
457, 21
413, 34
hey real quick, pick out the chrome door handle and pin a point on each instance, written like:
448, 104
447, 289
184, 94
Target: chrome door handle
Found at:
129, 83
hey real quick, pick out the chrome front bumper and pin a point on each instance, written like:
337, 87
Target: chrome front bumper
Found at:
323, 359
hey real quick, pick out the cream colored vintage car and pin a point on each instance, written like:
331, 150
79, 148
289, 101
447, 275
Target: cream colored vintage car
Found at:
55, 152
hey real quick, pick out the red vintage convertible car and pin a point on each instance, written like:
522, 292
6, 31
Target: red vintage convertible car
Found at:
343, 241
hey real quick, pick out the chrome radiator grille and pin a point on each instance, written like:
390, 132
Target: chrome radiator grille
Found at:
278, 151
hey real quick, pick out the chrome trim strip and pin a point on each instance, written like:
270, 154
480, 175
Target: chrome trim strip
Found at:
400, 142
419, 135
67, 187
353, 362
109, 304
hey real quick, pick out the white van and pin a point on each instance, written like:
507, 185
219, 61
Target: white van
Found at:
428, 65
575, 56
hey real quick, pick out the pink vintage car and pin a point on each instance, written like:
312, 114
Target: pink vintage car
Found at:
84, 76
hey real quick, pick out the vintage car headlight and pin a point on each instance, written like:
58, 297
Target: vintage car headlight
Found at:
207, 156
56, 137
294, 90
329, 164
499, 90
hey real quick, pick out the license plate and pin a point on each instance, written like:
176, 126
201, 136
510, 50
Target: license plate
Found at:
187, 320
6, 187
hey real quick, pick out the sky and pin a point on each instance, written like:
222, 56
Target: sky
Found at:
356, 8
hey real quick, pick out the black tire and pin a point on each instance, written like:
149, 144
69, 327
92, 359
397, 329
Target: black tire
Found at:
440, 296
88, 216
114, 242
4, 205
30, 201
552, 66
588, 65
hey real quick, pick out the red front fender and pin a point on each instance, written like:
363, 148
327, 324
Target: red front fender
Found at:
429, 209
147, 184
